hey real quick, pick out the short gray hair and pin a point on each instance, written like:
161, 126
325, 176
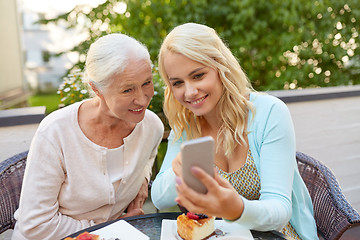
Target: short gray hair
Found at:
109, 55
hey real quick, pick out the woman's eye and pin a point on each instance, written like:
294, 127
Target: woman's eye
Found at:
176, 83
200, 75
147, 83
127, 90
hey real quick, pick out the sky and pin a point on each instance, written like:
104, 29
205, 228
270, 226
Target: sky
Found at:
58, 39
55, 7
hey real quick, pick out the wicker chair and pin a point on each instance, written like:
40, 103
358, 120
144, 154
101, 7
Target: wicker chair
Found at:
11, 176
333, 213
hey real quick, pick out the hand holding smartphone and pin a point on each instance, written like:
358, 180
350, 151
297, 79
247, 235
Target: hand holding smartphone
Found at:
197, 152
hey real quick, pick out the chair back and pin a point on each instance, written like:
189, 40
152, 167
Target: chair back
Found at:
333, 213
11, 176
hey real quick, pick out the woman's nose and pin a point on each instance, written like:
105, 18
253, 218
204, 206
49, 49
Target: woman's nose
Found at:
141, 98
190, 90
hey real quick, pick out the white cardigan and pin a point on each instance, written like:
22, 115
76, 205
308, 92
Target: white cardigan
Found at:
66, 185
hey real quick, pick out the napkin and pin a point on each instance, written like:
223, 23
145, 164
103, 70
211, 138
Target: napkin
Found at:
122, 230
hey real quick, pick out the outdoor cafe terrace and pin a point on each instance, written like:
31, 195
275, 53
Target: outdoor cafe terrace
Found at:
326, 120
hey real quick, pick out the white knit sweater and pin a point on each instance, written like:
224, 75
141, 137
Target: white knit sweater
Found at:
66, 185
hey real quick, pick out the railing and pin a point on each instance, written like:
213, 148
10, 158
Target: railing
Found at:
20, 116
313, 94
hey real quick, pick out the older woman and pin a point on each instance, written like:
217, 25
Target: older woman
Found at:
208, 94
91, 161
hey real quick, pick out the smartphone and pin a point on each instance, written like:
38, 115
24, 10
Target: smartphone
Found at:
197, 152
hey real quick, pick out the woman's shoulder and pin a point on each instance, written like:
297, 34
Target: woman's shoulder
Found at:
153, 120
264, 99
62, 116
152, 117
266, 105
266, 102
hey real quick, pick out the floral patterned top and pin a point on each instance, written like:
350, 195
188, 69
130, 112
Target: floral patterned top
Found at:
246, 182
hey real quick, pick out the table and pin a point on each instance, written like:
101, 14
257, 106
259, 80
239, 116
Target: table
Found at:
150, 224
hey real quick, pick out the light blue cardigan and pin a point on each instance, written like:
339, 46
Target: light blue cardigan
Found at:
284, 195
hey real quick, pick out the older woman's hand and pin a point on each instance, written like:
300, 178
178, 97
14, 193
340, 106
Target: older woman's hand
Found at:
133, 212
221, 200
135, 207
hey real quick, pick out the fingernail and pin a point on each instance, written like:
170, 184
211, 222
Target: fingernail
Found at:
178, 180
194, 170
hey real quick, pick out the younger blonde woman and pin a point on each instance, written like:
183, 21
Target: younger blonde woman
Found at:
208, 94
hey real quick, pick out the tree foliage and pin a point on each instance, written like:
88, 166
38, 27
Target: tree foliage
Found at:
280, 44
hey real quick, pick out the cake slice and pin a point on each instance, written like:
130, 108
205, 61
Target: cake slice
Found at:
195, 227
85, 236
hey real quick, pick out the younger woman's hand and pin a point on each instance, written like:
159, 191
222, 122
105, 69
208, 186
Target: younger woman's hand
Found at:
221, 200
177, 165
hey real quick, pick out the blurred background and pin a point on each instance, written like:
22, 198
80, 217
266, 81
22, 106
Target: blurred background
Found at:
283, 46
280, 44
305, 52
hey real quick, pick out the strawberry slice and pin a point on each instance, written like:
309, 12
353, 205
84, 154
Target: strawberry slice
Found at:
192, 216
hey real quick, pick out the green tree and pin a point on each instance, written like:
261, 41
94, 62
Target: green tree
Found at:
280, 44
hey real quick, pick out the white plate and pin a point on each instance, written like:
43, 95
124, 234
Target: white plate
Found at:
233, 231
122, 230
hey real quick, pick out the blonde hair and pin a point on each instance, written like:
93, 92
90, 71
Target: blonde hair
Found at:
202, 44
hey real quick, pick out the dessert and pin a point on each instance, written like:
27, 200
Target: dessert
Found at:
195, 226
85, 236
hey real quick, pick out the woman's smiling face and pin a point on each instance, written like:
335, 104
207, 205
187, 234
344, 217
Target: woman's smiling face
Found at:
130, 92
196, 86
